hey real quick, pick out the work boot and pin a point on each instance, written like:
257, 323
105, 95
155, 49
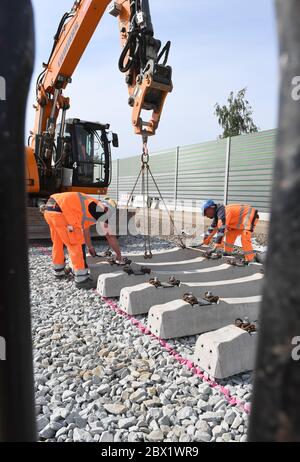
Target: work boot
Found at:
59, 274
64, 273
87, 284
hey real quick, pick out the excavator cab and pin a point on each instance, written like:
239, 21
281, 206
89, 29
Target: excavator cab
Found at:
77, 159
86, 155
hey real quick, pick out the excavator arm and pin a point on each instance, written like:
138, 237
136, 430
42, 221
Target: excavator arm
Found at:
74, 33
148, 80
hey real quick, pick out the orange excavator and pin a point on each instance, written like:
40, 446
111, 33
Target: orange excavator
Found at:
73, 154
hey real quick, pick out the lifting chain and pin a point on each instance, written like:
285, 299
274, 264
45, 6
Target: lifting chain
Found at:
145, 192
145, 173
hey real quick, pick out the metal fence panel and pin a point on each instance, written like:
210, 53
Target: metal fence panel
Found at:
251, 169
202, 171
163, 168
198, 172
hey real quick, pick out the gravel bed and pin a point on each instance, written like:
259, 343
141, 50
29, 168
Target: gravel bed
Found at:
97, 378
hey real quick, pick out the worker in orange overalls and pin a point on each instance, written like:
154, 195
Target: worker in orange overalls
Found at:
69, 216
229, 222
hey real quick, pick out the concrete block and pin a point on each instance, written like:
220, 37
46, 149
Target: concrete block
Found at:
179, 319
226, 352
140, 298
110, 285
100, 266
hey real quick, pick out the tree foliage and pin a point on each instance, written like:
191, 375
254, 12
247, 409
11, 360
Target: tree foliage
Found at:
237, 117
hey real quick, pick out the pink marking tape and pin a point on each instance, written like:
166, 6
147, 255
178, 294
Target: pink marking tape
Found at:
234, 401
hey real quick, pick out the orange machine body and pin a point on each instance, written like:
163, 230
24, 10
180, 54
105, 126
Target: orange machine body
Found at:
32, 173
147, 88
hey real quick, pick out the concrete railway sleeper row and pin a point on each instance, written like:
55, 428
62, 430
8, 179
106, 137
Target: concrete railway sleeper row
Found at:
225, 297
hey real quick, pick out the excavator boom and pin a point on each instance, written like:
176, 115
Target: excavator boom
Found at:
74, 33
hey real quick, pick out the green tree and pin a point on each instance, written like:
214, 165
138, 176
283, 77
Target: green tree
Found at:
236, 118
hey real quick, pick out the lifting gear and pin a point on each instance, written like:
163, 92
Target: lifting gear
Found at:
246, 325
208, 299
172, 282
144, 61
211, 298
236, 261
112, 261
213, 254
144, 174
136, 272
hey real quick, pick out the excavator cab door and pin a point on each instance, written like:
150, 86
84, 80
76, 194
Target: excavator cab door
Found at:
91, 155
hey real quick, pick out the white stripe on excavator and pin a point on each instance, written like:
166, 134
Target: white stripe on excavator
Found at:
203, 270
254, 277
236, 301
172, 263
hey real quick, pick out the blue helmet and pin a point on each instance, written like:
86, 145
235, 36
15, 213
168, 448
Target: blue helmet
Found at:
207, 204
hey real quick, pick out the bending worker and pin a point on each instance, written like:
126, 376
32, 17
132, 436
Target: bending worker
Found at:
69, 216
229, 222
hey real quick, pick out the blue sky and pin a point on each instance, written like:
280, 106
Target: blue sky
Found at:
218, 46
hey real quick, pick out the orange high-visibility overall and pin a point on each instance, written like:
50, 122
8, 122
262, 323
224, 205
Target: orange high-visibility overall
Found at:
241, 220
67, 215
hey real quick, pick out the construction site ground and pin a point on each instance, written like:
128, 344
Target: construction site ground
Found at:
131, 362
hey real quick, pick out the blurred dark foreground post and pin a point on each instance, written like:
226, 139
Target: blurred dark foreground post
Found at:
16, 377
276, 401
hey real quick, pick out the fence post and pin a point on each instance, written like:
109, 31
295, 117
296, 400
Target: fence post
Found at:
227, 165
176, 178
